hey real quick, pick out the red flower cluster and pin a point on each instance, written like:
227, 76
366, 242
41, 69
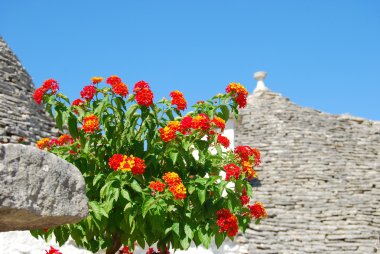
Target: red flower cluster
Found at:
152, 251
244, 198
247, 156
144, 96
90, 123
176, 186
127, 163
78, 103
49, 84
125, 250
244, 153
88, 92
178, 99
157, 186
52, 251
227, 222
118, 87
224, 141
168, 133
258, 210
219, 122
186, 123
232, 170
239, 93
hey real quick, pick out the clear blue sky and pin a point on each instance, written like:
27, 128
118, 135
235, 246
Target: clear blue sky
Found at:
322, 54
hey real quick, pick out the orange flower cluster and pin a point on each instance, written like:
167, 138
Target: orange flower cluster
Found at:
227, 222
248, 170
43, 143
219, 122
198, 122
90, 123
224, 141
201, 122
168, 133
144, 96
178, 99
65, 139
176, 186
258, 210
88, 92
239, 93
48, 143
96, 80
118, 87
157, 186
49, 84
127, 163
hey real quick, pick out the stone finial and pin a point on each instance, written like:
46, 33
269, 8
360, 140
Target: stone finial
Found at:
260, 76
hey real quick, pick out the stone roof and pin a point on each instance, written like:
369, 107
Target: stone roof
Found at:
21, 119
320, 178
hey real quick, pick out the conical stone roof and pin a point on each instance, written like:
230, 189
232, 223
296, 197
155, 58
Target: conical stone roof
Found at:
320, 178
21, 119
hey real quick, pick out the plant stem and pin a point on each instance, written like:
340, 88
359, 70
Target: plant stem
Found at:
116, 245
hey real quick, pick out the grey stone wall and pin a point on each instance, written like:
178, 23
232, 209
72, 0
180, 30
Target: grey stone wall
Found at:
21, 119
320, 178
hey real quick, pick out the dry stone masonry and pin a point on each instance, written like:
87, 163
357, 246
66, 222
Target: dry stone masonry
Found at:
21, 119
320, 178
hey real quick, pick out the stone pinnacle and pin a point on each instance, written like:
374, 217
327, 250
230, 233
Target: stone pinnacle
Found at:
260, 76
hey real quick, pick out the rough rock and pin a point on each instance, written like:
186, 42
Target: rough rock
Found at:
38, 189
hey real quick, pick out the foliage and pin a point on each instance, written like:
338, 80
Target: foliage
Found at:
152, 174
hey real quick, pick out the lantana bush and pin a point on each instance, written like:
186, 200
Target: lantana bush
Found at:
153, 174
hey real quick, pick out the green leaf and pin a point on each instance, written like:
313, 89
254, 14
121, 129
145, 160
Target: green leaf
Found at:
59, 120
191, 189
97, 178
225, 112
136, 186
131, 110
185, 244
125, 194
202, 195
189, 233
173, 157
97, 210
73, 126
219, 239
147, 205
120, 103
204, 238
175, 228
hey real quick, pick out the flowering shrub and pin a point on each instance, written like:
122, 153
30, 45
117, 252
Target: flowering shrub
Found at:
152, 174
